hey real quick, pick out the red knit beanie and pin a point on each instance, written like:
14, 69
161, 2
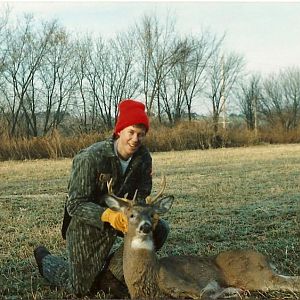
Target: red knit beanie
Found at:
131, 112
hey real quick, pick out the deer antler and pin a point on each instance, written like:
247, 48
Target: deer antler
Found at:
110, 192
150, 200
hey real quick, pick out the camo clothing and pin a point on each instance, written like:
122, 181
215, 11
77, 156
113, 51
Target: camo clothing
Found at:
89, 240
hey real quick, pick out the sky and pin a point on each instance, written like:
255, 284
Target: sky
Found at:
266, 33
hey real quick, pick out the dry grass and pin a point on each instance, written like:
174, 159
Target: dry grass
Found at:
160, 138
225, 198
52, 146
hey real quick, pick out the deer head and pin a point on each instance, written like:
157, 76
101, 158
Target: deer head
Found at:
142, 218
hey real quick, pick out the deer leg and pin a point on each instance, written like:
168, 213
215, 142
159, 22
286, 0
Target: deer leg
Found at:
284, 283
229, 292
215, 291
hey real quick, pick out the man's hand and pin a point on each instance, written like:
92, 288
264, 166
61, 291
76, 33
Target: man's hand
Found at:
116, 219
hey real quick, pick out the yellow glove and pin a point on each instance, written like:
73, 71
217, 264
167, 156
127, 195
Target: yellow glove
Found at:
116, 219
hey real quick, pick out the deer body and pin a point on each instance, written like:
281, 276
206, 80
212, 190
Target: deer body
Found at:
230, 272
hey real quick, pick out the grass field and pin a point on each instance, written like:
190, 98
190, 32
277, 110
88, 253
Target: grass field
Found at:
225, 198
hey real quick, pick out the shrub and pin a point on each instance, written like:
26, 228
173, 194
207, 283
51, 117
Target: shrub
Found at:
181, 136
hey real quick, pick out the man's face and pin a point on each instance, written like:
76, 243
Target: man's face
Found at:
130, 139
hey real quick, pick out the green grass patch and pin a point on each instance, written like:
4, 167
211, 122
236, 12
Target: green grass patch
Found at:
225, 199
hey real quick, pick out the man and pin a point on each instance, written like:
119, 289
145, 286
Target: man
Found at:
89, 226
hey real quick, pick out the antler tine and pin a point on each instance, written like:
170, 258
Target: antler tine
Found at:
135, 194
109, 187
110, 192
150, 200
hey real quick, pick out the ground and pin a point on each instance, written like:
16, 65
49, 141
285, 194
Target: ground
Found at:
224, 199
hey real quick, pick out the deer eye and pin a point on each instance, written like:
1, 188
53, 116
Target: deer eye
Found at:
131, 216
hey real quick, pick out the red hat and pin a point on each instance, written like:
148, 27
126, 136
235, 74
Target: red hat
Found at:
131, 112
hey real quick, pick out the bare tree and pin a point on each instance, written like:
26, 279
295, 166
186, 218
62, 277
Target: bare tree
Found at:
281, 98
223, 77
85, 108
57, 81
4, 18
25, 51
249, 96
125, 79
108, 76
159, 51
5, 12
172, 95
187, 78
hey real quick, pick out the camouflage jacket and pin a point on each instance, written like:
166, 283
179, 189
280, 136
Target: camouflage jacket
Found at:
92, 168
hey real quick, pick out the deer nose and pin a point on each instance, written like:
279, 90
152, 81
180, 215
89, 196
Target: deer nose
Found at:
146, 228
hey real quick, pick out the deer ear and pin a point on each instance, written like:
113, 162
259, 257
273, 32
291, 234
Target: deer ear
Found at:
164, 204
114, 203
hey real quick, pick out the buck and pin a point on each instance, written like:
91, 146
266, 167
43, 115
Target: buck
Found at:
229, 273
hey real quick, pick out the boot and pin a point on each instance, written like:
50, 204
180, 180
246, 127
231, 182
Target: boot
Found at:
39, 253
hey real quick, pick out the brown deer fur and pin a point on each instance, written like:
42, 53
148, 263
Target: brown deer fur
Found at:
231, 272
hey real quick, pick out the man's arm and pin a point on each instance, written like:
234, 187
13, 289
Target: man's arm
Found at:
82, 190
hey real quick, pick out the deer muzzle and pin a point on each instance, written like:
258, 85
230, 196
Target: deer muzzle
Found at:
145, 228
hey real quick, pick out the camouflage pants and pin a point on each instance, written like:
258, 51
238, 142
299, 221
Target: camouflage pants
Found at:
87, 249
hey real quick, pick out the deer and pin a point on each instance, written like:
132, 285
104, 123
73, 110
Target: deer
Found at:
228, 274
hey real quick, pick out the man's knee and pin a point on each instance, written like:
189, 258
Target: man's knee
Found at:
160, 233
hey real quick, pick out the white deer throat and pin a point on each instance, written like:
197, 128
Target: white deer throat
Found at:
141, 243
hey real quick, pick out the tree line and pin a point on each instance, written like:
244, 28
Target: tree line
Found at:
52, 79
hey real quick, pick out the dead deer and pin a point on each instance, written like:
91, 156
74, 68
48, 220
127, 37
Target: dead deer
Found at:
229, 273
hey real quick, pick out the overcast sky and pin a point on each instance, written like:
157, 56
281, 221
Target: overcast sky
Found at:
266, 33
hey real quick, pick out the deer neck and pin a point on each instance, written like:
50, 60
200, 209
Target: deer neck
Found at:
140, 265
139, 251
